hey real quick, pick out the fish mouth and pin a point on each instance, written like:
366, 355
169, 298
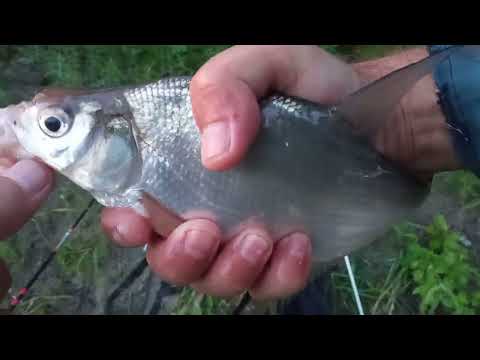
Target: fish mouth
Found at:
11, 116
8, 117
10, 125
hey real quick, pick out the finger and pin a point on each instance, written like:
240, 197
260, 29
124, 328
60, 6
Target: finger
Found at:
187, 253
5, 280
23, 188
225, 92
126, 228
163, 220
239, 264
5, 164
288, 271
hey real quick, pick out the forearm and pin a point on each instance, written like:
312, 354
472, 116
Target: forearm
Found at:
417, 135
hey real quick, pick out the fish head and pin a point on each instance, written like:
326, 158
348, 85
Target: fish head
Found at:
87, 137
54, 129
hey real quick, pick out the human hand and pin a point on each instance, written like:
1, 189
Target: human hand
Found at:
23, 188
225, 95
417, 136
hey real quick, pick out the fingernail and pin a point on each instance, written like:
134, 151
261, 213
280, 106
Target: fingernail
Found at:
199, 244
299, 247
216, 139
117, 234
29, 175
5, 164
253, 248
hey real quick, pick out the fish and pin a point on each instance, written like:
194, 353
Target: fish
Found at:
312, 168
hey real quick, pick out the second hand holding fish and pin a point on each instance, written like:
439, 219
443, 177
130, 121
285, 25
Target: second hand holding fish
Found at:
224, 98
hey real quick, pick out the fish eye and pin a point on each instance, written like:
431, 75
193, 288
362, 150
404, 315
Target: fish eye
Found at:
54, 125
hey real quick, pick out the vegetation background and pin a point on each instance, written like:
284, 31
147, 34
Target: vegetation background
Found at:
426, 267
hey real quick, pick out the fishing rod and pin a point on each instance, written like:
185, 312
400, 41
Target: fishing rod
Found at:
17, 300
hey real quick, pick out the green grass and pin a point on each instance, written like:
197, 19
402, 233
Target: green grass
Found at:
112, 65
192, 303
385, 282
431, 272
106, 66
464, 185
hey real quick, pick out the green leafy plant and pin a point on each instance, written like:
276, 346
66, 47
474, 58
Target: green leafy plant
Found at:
9, 253
191, 302
465, 185
40, 305
442, 269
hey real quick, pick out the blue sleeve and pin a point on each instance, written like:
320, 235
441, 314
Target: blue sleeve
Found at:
458, 82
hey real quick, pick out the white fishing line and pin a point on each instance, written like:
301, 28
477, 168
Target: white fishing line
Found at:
65, 238
358, 301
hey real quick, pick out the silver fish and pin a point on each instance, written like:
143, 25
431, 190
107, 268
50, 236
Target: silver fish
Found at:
311, 169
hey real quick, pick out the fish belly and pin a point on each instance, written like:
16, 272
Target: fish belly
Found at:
306, 172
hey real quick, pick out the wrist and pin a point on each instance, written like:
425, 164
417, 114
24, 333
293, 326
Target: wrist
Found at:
417, 136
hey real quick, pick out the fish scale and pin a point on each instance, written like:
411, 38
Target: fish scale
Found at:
300, 174
311, 168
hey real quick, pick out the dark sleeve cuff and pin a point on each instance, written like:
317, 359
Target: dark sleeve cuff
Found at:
458, 82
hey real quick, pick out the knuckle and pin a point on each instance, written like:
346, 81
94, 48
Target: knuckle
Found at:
250, 227
206, 80
200, 81
172, 276
205, 225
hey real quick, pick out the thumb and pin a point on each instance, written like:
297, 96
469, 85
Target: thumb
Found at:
23, 188
228, 116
